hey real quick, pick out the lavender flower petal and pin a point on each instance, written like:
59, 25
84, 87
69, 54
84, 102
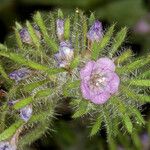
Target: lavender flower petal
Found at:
99, 81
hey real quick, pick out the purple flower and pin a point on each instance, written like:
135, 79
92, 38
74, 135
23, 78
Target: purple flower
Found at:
25, 36
5, 145
20, 74
60, 28
65, 54
26, 113
96, 32
99, 80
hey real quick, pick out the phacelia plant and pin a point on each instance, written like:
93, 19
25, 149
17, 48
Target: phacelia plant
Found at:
74, 57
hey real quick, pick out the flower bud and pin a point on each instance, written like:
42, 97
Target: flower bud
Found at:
26, 113
96, 32
65, 54
60, 28
20, 74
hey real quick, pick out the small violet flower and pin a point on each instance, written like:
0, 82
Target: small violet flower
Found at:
20, 74
96, 32
26, 113
5, 145
25, 36
65, 54
99, 80
60, 28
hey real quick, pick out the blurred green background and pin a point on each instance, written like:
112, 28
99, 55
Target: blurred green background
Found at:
135, 14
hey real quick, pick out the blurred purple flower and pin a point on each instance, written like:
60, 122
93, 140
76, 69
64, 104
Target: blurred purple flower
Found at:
145, 140
20, 74
99, 80
5, 145
26, 113
65, 54
60, 28
142, 27
25, 36
96, 32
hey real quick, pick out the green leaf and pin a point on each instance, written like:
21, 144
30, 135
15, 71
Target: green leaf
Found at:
60, 14
3, 47
95, 50
138, 82
96, 126
52, 71
67, 29
124, 114
144, 75
82, 110
50, 42
118, 41
133, 95
137, 141
21, 60
43, 93
112, 144
18, 26
31, 86
75, 62
138, 115
34, 134
84, 31
128, 123
133, 66
3, 73
18, 39
124, 56
91, 19
33, 35
22, 103
70, 85
11, 130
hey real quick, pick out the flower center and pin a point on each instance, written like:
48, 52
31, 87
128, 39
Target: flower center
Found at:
97, 81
